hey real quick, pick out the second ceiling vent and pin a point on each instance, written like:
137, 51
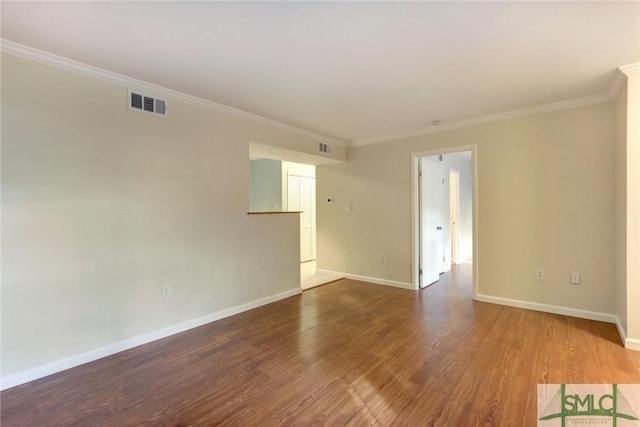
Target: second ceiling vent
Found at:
324, 148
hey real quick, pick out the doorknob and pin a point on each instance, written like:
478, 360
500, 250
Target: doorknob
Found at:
438, 228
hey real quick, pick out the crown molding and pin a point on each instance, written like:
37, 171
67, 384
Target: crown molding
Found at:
35, 55
613, 92
616, 84
621, 76
630, 69
530, 111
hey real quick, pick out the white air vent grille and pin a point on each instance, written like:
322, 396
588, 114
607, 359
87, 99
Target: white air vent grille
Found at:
324, 148
145, 103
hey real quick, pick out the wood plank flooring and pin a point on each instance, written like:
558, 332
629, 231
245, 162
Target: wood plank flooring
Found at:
348, 353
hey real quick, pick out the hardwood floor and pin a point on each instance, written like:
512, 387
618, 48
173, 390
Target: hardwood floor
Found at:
348, 353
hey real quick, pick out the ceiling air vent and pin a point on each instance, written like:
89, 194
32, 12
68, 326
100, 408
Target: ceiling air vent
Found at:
149, 104
324, 148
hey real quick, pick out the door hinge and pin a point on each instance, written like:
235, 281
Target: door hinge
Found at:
420, 272
443, 180
420, 174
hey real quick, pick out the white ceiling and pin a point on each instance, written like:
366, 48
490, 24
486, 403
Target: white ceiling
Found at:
358, 71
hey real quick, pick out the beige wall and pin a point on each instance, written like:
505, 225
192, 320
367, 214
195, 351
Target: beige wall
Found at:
633, 206
621, 206
101, 206
545, 199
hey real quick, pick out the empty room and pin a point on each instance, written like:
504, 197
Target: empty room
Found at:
320, 213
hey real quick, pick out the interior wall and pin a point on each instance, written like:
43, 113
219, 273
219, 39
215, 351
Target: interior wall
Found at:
621, 206
266, 185
102, 206
545, 200
633, 206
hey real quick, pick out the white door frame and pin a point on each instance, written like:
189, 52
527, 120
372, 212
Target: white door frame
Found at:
415, 209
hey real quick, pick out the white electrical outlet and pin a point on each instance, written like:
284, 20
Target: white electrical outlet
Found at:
575, 278
539, 274
382, 258
166, 291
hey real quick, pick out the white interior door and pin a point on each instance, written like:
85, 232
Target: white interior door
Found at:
431, 221
302, 197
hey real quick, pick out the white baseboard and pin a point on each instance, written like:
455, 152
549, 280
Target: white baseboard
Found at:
566, 311
621, 331
374, 280
90, 356
632, 344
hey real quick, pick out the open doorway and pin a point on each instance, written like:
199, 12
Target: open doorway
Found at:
282, 180
444, 214
299, 194
282, 186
